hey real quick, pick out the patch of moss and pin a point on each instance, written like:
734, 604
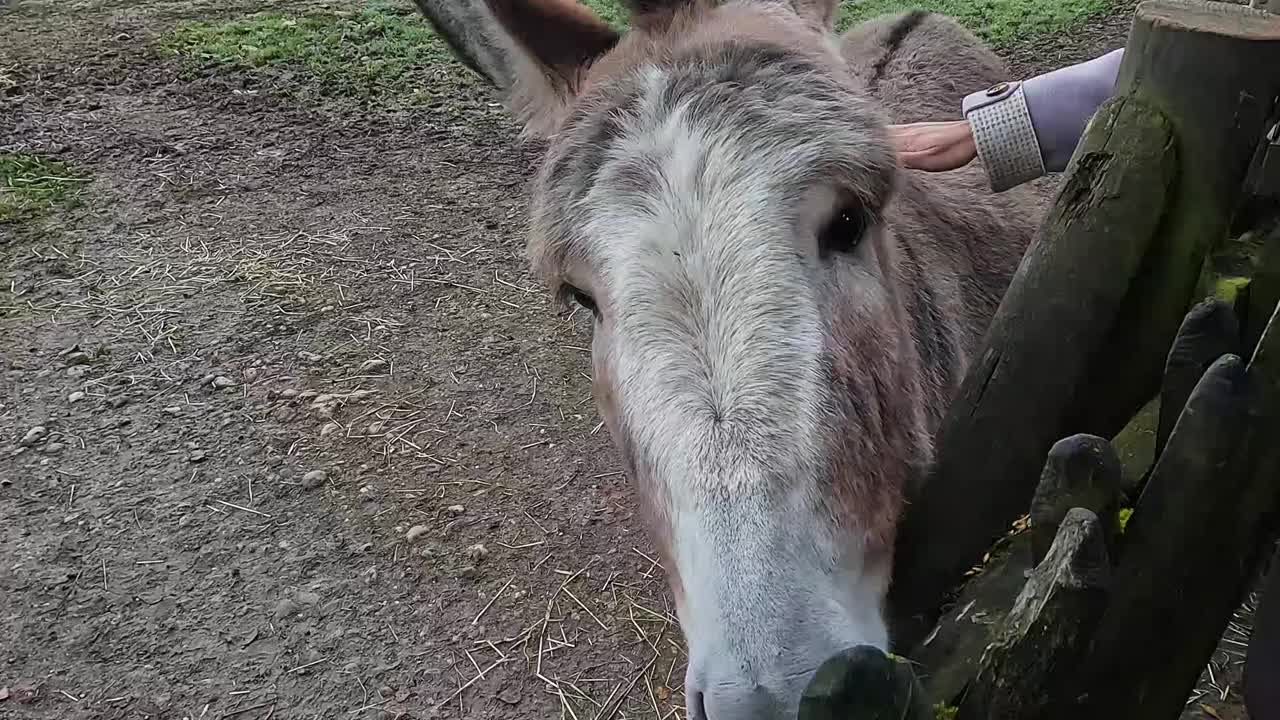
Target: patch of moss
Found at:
31, 184
377, 52
943, 711
1123, 518
1229, 288
1135, 445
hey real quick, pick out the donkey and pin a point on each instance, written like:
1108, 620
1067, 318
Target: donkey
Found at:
781, 313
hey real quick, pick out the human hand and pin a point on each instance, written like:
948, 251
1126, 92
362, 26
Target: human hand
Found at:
934, 146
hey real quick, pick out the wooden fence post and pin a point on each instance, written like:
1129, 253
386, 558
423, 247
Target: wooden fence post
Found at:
1027, 669
1082, 471
863, 683
1193, 542
1080, 339
1262, 664
1208, 332
1222, 115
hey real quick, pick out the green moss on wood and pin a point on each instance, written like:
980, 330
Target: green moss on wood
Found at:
1122, 519
1229, 288
1135, 445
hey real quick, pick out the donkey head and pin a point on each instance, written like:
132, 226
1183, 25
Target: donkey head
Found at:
714, 191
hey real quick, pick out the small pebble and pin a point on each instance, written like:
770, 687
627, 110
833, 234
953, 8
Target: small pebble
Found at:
322, 400
76, 396
78, 358
207, 379
76, 371
54, 448
309, 356
457, 509
172, 410
196, 456
477, 553
374, 365
416, 533
33, 436
314, 479
307, 598
289, 394
222, 381
329, 429
307, 394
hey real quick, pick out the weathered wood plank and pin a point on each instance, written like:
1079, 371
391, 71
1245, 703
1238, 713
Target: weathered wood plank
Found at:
950, 654
1262, 663
1192, 543
1209, 331
1210, 67
1082, 471
1264, 289
1027, 670
1053, 316
1080, 340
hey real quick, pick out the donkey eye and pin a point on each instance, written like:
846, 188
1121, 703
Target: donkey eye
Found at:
583, 299
843, 232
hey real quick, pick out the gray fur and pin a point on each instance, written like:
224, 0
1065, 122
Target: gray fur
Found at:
773, 401
469, 29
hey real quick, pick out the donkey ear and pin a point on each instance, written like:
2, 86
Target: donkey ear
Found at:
821, 13
534, 51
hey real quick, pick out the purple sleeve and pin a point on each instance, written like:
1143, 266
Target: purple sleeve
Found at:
1061, 103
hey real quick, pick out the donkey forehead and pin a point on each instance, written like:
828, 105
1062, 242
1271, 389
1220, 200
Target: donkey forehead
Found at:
676, 194
731, 120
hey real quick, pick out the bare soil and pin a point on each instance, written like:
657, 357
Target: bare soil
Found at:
286, 427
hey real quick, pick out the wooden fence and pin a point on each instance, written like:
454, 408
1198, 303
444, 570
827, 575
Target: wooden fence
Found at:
1104, 593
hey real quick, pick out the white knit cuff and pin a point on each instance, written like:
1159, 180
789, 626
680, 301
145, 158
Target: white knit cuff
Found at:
1004, 135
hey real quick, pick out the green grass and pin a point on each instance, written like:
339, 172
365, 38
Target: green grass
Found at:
376, 52
387, 53
30, 184
999, 22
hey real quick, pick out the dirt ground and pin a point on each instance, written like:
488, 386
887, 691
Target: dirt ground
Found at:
286, 427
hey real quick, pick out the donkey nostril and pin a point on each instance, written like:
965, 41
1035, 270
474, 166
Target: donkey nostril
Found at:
697, 707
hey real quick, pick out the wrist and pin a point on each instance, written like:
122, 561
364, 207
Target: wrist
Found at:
1004, 136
